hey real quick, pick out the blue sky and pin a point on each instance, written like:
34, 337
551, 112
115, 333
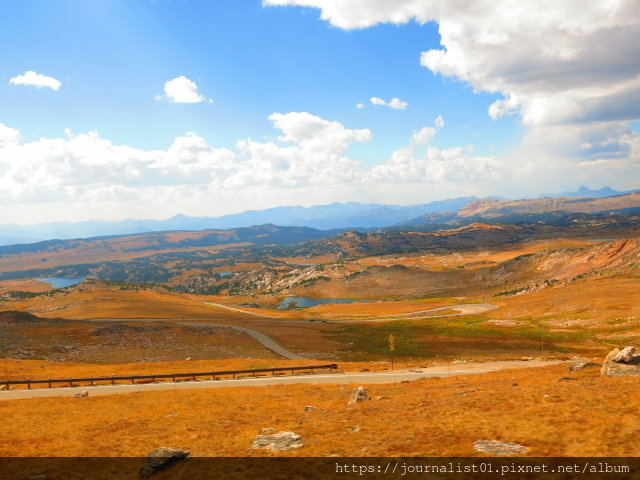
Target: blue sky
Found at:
248, 61
113, 56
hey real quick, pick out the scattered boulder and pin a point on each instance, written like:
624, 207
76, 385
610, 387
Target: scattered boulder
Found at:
563, 379
278, 441
582, 365
3, 387
613, 366
161, 458
358, 395
309, 407
81, 394
625, 355
354, 429
267, 431
495, 447
464, 392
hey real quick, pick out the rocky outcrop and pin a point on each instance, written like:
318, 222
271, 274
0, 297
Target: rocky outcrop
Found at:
495, 447
621, 363
582, 365
625, 355
161, 458
277, 441
358, 395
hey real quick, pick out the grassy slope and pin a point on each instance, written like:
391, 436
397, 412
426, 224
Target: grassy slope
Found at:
432, 417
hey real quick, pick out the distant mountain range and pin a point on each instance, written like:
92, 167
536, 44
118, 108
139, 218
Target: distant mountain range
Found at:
545, 209
351, 215
322, 217
589, 193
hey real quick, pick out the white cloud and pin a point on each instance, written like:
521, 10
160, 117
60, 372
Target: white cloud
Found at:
423, 136
359, 106
87, 167
420, 162
439, 121
394, 103
8, 135
37, 80
570, 73
314, 154
183, 90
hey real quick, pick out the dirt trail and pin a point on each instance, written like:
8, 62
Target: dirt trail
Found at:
462, 309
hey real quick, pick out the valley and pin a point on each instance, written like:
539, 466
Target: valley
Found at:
535, 296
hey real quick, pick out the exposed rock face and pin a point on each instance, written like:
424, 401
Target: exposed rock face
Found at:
582, 365
625, 355
161, 458
621, 363
495, 447
278, 441
357, 395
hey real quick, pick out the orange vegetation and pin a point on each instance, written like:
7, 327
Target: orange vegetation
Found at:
103, 301
24, 286
588, 416
472, 259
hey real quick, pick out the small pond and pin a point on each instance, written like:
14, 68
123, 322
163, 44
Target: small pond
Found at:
59, 282
305, 302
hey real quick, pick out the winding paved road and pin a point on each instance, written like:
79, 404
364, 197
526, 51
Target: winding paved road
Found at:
260, 337
334, 378
462, 309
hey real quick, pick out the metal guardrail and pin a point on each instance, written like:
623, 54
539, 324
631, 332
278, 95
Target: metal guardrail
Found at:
173, 376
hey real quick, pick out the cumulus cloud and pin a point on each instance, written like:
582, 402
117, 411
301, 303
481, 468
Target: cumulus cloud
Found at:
439, 121
37, 80
183, 90
420, 162
314, 153
8, 135
359, 106
86, 166
394, 103
567, 71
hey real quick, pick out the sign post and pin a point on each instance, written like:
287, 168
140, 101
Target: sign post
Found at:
392, 347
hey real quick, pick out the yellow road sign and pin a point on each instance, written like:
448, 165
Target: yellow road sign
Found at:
392, 340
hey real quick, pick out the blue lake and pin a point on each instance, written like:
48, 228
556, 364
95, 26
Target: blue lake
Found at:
305, 302
59, 282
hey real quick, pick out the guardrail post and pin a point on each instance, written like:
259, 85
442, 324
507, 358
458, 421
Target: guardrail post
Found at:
7, 384
132, 381
113, 382
28, 384
49, 382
